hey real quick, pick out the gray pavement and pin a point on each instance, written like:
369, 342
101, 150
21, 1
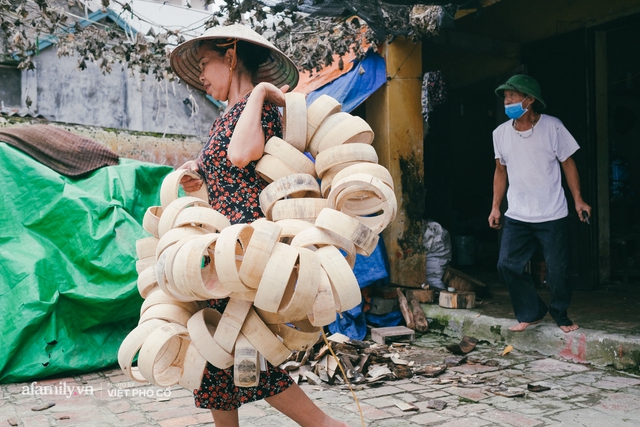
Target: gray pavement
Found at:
580, 394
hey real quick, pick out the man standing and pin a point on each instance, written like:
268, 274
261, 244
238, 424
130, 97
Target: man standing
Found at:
529, 150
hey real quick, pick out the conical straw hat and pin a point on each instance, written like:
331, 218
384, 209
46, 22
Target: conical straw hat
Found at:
278, 69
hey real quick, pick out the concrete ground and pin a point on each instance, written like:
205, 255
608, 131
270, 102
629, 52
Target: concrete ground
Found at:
583, 371
578, 395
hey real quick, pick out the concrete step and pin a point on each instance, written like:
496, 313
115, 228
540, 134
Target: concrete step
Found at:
584, 345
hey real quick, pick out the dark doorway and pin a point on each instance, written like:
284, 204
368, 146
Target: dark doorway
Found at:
623, 71
561, 65
459, 173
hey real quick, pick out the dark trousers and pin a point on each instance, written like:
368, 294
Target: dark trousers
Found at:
519, 241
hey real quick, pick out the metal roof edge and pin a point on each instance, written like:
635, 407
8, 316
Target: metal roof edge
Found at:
91, 19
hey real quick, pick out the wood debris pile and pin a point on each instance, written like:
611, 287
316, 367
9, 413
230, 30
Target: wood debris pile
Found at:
370, 364
363, 362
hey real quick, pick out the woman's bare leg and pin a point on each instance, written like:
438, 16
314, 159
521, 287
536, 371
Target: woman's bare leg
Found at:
295, 404
225, 418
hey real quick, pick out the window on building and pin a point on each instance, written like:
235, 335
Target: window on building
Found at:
10, 86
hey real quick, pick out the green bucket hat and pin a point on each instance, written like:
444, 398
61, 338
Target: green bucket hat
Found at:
525, 84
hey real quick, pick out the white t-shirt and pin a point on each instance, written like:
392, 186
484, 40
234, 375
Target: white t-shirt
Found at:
533, 159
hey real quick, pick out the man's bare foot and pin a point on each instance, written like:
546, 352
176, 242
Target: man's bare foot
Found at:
569, 328
523, 325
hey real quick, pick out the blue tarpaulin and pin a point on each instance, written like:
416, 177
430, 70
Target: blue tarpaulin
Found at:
353, 88
369, 271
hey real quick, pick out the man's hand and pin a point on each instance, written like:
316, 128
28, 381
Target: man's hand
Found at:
494, 219
188, 182
581, 206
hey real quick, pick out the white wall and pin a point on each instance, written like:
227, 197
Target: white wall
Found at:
60, 92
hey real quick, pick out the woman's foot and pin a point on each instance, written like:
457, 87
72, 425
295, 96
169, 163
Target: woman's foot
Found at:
572, 327
523, 325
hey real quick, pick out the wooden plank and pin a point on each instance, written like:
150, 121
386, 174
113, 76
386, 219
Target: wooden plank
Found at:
406, 311
422, 325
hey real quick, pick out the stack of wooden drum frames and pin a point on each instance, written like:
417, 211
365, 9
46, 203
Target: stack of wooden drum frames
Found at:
286, 275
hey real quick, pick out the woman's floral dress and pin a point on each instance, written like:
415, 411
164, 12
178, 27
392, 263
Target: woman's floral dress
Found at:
234, 192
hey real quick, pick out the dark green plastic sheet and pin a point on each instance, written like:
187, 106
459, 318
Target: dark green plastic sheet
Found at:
68, 294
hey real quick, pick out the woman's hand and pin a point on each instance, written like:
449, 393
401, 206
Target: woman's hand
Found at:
189, 182
272, 93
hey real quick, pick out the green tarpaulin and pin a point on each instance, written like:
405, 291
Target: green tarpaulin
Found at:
68, 293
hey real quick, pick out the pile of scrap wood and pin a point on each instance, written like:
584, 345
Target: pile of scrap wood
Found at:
362, 361
368, 364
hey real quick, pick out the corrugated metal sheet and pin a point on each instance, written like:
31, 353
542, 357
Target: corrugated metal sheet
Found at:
15, 112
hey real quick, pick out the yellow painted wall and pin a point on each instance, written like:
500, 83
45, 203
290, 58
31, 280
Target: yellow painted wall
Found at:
394, 113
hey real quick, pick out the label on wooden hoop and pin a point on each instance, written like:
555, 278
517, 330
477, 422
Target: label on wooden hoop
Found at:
246, 363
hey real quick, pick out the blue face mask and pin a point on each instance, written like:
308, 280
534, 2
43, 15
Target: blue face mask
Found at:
515, 111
